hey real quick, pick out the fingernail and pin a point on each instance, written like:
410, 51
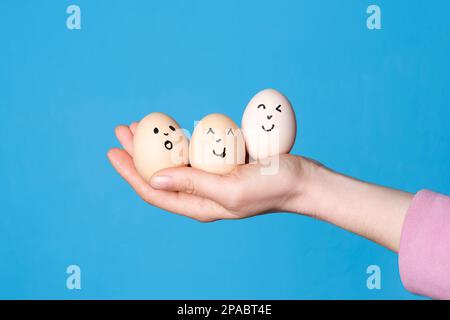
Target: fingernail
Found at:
161, 182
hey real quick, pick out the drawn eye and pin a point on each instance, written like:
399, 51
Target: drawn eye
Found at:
172, 128
278, 108
156, 130
210, 130
261, 106
230, 131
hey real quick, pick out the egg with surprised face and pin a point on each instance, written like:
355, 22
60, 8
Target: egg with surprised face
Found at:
159, 143
269, 125
217, 145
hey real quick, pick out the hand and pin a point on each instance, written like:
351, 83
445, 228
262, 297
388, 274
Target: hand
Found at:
298, 185
207, 197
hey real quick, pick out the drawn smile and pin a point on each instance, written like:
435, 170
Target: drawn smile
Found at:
268, 130
168, 144
222, 155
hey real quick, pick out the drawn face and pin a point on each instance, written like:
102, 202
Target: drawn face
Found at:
269, 115
159, 143
269, 124
217, 145
167, 143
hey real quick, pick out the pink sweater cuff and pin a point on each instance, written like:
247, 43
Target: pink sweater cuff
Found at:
424, 255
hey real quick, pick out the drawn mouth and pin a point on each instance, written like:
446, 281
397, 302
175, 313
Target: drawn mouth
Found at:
168, 144
268, 130
222, 155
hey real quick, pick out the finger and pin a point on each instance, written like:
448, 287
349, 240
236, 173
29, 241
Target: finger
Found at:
196, 182
125, 137
124, 165
184, 204
133, 127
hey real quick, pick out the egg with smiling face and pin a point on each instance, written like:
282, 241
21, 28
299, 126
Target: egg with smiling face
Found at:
269, 125
217, 145
159, 143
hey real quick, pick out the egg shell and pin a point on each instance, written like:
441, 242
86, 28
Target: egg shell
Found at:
217, 145
269, 125
159, 143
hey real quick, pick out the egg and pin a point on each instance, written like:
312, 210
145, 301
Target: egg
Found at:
159, 143
217, 145
269, 125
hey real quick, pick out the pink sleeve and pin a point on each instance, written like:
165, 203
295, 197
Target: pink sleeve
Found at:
424, 255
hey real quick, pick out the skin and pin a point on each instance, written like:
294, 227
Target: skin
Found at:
301, 186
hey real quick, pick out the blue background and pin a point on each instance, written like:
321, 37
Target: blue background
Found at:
371, 104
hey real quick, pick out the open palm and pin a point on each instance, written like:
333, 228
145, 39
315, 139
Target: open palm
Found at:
206, 197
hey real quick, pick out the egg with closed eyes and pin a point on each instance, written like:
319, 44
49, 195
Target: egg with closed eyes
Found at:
159, 143
269, 125
217, 145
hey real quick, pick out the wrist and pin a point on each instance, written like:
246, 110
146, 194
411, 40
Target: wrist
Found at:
306, 182
315, 181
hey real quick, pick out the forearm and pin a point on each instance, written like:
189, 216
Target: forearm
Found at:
371, 211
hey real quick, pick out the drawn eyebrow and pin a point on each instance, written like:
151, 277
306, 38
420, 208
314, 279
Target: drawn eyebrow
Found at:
210, 130
156, 130
171, 128
230, 130
261, 106
278, 108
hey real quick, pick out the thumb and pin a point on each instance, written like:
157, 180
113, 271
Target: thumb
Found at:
193, 181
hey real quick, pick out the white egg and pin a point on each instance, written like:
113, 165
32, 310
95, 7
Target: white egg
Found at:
159, 143
217, 145
269, 125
